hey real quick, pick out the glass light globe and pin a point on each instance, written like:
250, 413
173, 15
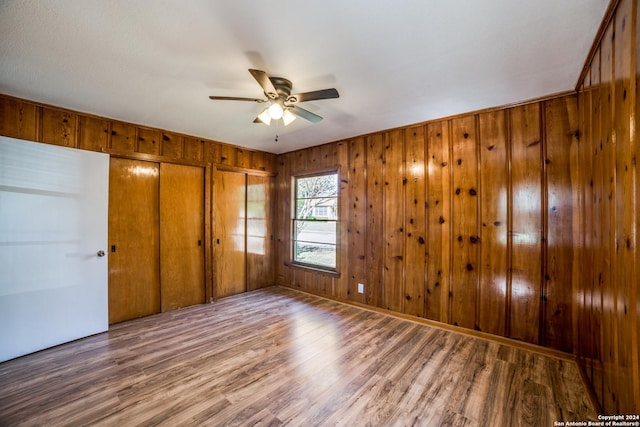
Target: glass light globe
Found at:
275, 111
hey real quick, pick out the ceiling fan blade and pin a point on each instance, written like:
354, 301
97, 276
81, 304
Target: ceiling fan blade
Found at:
312, 96
305, 114
263, 80
235, 98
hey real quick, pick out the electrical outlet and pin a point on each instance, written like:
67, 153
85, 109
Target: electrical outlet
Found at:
361, 288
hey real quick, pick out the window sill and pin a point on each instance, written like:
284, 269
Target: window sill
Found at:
318, 270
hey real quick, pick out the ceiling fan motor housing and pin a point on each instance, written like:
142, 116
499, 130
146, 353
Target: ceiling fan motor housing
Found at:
282, 85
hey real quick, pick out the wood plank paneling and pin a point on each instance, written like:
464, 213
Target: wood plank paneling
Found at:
123, 137
625, 205
259, 232
181, 236
149, 141
493, 231
34, 122
610, 331
18, 119
373, 290
357, 222
393, 196
636, 118
438, 221
595, 184
59, 127
485, 188
415, 222
337, 156
229, 233
526, 200
134, 269
193, 148
464, 262
611, 200
93, 133
561, 140
172, 145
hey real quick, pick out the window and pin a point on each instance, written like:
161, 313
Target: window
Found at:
314, 222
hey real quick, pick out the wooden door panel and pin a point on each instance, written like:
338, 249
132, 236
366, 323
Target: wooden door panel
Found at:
181, 235
229, 236
259, 271
134, 280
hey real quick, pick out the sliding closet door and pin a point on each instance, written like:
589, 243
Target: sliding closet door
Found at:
134, 270
229, 233
259, 271
181, 235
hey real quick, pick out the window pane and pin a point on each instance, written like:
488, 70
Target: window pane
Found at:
315, 253
317, 186
315, 231
315, 220
315, 208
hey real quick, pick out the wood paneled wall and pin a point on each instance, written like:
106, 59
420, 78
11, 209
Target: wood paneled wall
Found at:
608, 295
36, 122
468, 221
41, 123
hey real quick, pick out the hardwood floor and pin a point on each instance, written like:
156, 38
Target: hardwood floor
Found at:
276, 356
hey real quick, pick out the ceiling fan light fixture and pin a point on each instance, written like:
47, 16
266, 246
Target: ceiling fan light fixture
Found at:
288, 117
264, 117
275, 111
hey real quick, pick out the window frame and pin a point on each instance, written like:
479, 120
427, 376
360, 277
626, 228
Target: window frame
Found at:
292, 262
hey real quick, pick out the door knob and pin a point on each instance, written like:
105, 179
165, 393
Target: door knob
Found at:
100, 253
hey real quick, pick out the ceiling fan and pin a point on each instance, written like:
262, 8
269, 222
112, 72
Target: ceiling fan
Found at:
282, 105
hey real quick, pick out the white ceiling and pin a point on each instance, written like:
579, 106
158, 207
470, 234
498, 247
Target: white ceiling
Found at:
155, 62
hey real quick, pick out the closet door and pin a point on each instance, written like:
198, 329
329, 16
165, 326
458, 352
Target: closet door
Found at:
259, 271
134, 270
181, 235
229, 233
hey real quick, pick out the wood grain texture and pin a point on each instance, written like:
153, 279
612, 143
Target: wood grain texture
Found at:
32, 121
374, 290
626, 205
123, 137
134, 268
181, 236
276, 356
357, 220
438, 221
561, 141
230, 233
93, 133
172, 145
149, 141
259, 232
59, 127
610, 325
486, 220
526, 178
393, 225
464, 215
194, 148
415, 221
493, 230
610, 354
18, 119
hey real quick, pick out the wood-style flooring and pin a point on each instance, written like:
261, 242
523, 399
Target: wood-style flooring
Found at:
280, 357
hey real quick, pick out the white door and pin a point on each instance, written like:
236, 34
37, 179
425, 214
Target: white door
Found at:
53, 223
